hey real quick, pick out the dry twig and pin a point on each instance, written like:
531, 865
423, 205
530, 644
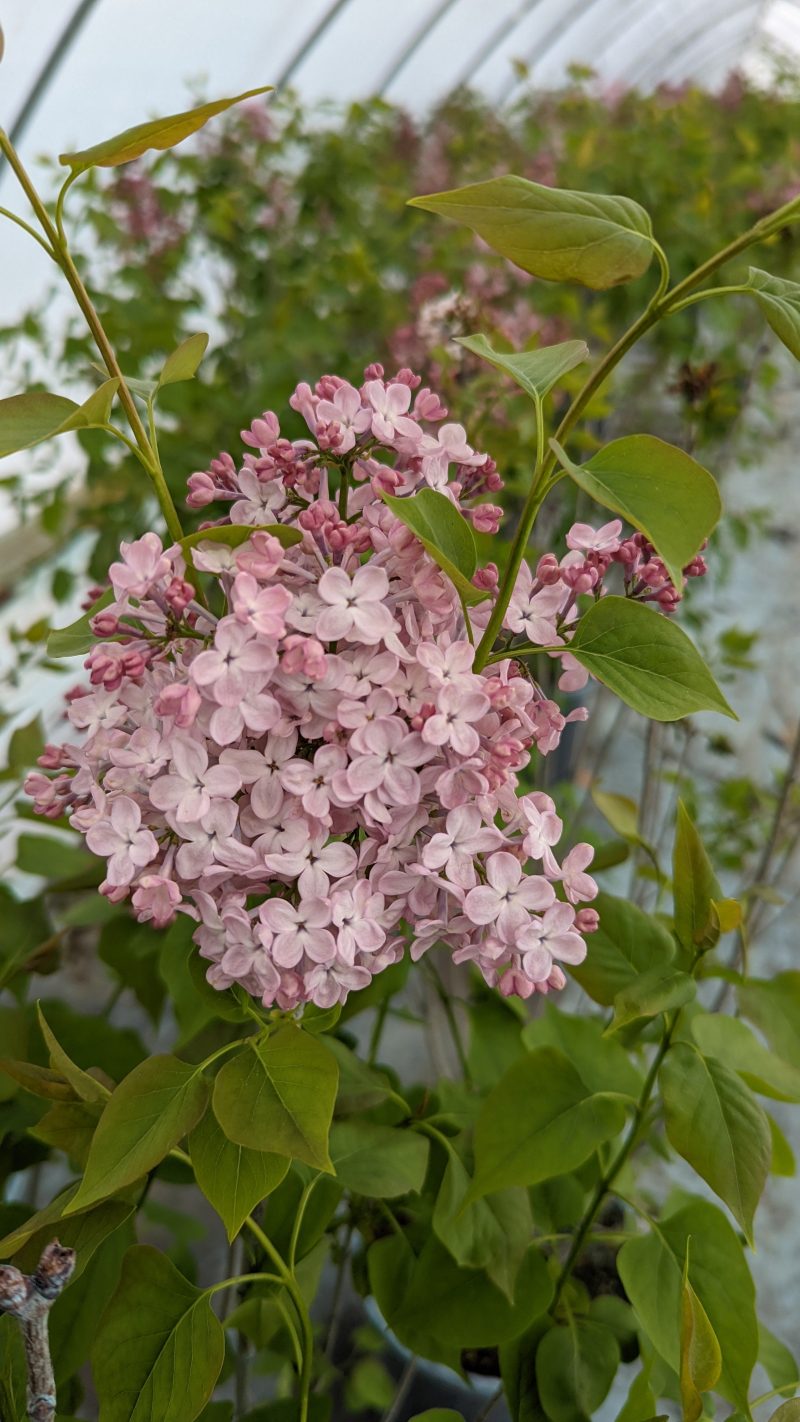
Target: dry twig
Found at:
29, 1298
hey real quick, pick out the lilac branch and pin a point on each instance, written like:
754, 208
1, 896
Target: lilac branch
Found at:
29, 1298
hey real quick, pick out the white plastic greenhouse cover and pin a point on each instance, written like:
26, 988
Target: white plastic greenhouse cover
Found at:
75, 71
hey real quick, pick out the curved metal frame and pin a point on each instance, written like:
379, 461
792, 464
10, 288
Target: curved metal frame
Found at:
493, 43
50, 68
551, 38
418, 38
305, 47
686, 41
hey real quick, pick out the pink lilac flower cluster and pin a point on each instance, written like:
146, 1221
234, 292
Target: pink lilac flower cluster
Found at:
302, 757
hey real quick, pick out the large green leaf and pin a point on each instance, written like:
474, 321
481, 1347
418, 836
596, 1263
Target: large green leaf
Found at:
601, 1063
627, 944
158, 1104
160, 1347
518, 1371
26, 420
360, 1085
659, 489
537, 371
160, 133
774, 1005
82, 1232
278, 1094
378, 1161
69, 1126
575, 1367
233, 1178
76, 1314
539, 1121
646, 660
780, 302
787, 1412
78, 638
430, 1299
84, 1085
590, 238
490, 1234
651, 1268
445, 535
701, 1358
659, 990
731, 1041
714, 1121
776, 1359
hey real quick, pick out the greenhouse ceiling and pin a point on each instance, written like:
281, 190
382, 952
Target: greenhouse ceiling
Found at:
76, 67
76, 70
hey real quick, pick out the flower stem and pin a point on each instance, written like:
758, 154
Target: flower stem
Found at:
610, 1174
59, 250
293, 1290
663, 303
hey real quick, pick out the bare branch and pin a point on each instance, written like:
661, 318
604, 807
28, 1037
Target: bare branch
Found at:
29, 1298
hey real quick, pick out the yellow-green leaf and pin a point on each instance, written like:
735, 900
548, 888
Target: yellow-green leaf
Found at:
590, 238
701, 1357
151, 1110
655, 487
160, 133
445, 535
183, 362
537, 371
780, 302
714, 1121
81, 1082
27, 420
277, 1095
646, 660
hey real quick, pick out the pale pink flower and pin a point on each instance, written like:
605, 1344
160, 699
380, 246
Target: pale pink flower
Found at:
534, 612
312, 780
390, 405
508, 897
192, 784
345, 410
447, 665
314, 864
156, 899
212, 843
256, 710
543, 828
453, 723
579, 886
354, 607
553, 936
356, 913
262, 608
263, 499
266, 795
595, 540
454, 849
291, 932
143, 564
122, 839
388, 764
449, 447
573, 676
238, 662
